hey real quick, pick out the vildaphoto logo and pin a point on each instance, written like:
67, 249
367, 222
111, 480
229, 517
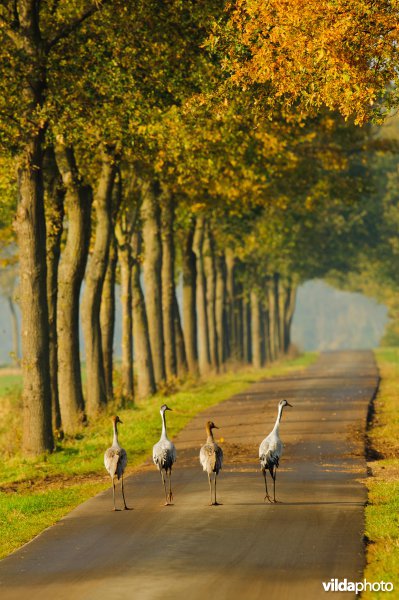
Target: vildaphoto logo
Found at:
336, 585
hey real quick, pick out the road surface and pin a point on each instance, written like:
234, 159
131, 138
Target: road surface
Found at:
245, 548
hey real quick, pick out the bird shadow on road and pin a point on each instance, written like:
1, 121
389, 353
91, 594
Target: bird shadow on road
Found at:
327, 503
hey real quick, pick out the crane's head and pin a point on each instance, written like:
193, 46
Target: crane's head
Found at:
116, 419
211, 425
164, 407
284, 403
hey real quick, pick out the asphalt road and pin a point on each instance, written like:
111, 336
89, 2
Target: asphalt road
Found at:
245, 548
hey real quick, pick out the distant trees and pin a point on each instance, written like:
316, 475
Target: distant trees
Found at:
163, 142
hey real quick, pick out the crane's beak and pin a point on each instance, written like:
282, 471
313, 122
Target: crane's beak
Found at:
167, 408
288, 404
214, 427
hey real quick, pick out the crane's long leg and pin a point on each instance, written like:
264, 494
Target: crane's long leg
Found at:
267, 493
164, 487
113, 491
170, 497
210, 487
216, 503
123, 495
274, 484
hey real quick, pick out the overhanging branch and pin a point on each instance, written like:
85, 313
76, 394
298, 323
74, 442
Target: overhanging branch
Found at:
75, 24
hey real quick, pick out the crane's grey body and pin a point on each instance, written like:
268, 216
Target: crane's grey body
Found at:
270, 451
211, 457
164, 456
115, 461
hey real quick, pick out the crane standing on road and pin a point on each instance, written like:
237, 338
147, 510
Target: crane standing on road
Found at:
271, 450
211, 458
164, 455
115, 460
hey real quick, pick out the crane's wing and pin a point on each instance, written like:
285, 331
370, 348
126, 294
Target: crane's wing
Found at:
211, 458
164, 454
270, 452
122, 462
111, 458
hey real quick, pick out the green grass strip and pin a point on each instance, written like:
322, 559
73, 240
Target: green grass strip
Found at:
382, 511
38, 492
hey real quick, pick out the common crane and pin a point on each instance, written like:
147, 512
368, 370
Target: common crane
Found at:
271, 450
164, 455
211, 457
115, 460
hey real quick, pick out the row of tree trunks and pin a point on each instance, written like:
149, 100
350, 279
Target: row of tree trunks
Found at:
189, 272
107, 317
142, 348
54, 212
96, 395
152, 270
168, 284
204, 357
78, 200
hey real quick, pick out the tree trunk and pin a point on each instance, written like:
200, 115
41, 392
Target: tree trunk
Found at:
31, 232
256, 333
141, 339
152, 267
239, 319
202, 315
189, 300
231, 304
266, 335
168, 284
94, 280
125, 261
276, 292
107, 318
15, 331
71, 270
180, 346
289, 309
247, 331
220, 308
210, 277
272, 321
54, 212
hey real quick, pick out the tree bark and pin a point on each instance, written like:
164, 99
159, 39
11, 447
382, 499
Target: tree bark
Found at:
231, 304
54, 212
189, 300
96, 396
202, 315
168, 283
15, 331
107, 318
256, 333
210, 277
289, 310
152, 267
247, 331
220, 308
31, 233
71, 270
141, 339
181, 356
125, 261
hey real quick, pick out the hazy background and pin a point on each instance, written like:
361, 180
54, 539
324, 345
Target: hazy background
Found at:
325, 319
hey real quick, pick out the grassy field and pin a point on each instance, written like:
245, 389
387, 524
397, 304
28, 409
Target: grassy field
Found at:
34, 494
382, 511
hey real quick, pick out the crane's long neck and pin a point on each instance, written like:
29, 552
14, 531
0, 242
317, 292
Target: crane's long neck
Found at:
164, 432
209, 435
279, 414
115, 440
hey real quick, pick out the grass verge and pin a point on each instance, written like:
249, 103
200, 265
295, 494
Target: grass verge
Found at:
35, 493
382, 511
